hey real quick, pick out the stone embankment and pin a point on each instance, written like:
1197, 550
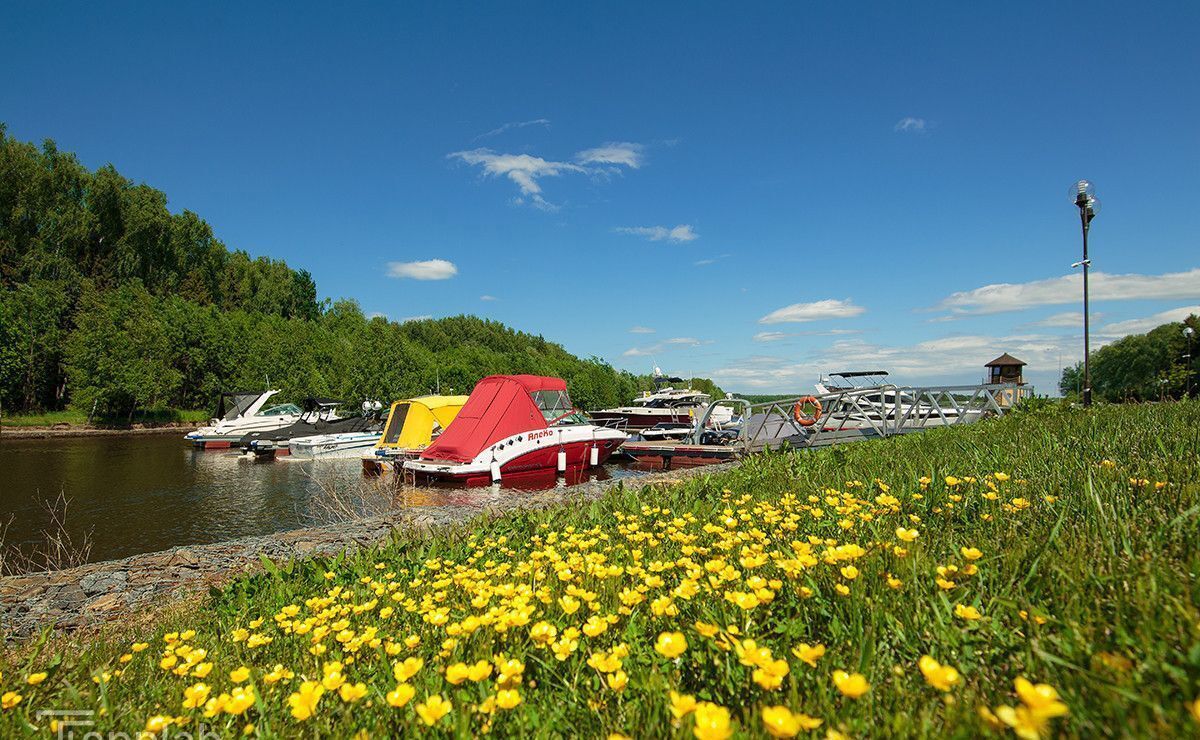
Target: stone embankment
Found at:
98, 593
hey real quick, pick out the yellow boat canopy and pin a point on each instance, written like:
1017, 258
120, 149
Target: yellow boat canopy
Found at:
412, 422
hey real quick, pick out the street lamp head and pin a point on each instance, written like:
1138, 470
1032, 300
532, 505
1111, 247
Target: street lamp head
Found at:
1081, 190
1188, 332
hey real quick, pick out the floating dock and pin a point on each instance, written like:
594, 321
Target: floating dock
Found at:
845, 416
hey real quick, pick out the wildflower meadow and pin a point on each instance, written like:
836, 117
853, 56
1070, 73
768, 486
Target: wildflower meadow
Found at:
1032, 576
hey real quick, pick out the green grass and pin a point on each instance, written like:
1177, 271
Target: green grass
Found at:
1104, 569
80, 418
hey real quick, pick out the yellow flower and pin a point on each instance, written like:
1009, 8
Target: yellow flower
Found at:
406, 669
682, 704
705, 629
1041, 698
907, 535
195, 695
971, 553
671, 644
595, 625
241, 699
433, 709
304, 701
158, 723
543, 633
711, 722
940, 677
849, 572
1194, 707
852, 685
351, 693
618, 680
401, 695
770, 673
809, 653
842, 589
1000, 476
239, 675
507, 698
10, 699
202, 670
479, 671
139, 646
952, 481
781, 722
457, 673
968, 613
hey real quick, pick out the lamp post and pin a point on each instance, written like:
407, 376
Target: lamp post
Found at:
1189, 332
1083, 195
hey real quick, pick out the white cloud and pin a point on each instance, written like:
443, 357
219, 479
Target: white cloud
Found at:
955, 359
815, 311
640, 330
1000, 297
909, 124
422, 317
526, 170
678, 234
770, 336
665, 345
622, 153
486, 297
515, 124
1141, 326
1064, 320
426, 270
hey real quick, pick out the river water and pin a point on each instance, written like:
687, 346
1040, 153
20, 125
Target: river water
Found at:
147, 492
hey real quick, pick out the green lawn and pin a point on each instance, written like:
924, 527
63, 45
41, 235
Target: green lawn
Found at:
1055, 545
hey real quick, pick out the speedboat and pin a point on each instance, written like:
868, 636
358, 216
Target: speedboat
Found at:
238, 414
514, 426
317, 416
412, 424
344, 444
665, 404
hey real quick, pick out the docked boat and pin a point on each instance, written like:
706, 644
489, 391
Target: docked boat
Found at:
318, 435
514, 426
239, 414
317, 414
664, 405
412, 424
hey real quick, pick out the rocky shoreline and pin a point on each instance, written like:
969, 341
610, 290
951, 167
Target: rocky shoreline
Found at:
101, 593
70, 430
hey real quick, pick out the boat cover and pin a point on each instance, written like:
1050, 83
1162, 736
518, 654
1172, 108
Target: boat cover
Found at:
499, 406
411, 423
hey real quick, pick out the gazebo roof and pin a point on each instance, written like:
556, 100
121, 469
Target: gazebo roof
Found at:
1005, 360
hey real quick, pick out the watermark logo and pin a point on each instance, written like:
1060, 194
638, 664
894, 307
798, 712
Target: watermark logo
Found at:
79, 724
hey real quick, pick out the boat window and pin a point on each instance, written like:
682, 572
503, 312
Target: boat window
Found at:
281, 409
238, 403
552, 404
395, 424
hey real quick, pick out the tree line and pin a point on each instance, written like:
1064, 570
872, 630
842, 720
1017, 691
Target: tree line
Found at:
1142, 367
110, 302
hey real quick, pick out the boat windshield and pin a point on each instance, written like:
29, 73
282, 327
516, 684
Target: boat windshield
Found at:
395, 424
234, 405
553, 404
281, 409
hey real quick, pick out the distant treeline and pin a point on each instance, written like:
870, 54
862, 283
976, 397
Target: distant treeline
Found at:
1142, 367
108, 301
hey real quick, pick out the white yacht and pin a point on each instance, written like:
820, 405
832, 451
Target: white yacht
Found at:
238, 414
665, 405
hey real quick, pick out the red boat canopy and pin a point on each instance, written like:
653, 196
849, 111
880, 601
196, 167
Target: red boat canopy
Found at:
499, 406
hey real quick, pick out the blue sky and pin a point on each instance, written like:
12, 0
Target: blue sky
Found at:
758, 194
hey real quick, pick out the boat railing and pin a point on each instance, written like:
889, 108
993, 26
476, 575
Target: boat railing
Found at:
853, 414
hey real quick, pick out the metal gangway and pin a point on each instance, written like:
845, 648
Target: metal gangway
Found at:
855, 414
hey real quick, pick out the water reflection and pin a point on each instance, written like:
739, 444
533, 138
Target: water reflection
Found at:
149, 492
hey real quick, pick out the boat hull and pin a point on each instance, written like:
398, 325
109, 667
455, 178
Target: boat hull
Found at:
642, 419
535, 462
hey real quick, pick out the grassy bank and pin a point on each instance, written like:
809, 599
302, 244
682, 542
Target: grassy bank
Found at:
796, 594
80, 419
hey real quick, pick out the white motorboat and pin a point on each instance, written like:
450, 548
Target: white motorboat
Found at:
238, 414
665, 405
346, 444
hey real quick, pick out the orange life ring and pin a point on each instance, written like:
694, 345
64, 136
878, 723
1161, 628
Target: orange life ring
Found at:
798, 411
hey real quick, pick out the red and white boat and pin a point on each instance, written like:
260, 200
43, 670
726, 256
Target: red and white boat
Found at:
514, 426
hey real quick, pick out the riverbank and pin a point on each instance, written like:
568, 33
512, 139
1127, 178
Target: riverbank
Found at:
83, 430
903, 587
93, 595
